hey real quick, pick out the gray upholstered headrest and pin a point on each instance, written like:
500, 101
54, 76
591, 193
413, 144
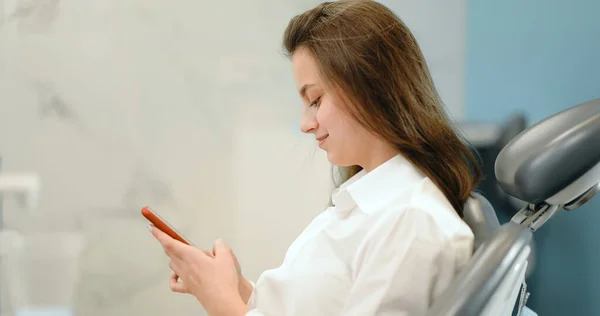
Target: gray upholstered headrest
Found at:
557, 156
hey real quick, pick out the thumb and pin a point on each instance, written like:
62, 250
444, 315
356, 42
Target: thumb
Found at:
221, 248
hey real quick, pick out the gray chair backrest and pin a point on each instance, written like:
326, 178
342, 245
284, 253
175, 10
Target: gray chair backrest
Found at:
479, 214
472, 289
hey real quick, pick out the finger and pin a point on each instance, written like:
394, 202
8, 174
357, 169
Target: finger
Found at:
221, 248
175, 270
171, 246
209, 253
176, 286
236, 262
159, 235
174, 267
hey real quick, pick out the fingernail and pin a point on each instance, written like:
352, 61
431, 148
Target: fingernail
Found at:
221, 242
150, 227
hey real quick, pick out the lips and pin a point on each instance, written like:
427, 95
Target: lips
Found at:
319, 139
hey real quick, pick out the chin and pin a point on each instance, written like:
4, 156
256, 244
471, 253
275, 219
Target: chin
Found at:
338, 161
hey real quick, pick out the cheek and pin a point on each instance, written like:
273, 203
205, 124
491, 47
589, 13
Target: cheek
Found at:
323, 114
339, 126
329, 117
354, 135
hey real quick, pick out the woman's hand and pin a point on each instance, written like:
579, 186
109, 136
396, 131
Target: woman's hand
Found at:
245, 288
212, 278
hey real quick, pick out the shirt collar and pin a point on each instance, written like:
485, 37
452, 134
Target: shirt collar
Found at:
373, 190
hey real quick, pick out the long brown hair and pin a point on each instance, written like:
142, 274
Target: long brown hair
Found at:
364, 50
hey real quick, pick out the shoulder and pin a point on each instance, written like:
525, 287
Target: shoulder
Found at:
424, 221
409, 243
428, 201
424, 211
419, 225
415, 239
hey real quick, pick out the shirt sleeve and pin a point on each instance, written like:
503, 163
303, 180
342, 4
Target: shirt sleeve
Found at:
251, 303
400, 267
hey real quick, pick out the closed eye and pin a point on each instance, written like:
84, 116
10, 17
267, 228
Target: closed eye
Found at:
315, 102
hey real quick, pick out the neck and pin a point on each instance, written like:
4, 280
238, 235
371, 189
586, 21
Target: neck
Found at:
377, 155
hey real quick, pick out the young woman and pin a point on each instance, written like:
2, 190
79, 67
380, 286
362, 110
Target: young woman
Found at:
393, 238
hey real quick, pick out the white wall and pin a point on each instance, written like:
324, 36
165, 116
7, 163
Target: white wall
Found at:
187, 107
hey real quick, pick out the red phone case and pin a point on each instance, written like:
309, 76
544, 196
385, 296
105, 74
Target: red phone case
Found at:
163, 225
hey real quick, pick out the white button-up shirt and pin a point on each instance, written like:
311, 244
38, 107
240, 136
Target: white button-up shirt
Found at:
390, 245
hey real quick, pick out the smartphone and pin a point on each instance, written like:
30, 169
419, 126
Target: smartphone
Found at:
163, 225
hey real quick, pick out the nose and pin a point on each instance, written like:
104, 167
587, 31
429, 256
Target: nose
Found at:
308, 122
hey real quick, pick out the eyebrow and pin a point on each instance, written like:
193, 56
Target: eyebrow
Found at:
304, 88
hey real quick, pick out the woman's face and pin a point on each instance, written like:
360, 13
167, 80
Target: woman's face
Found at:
346, 142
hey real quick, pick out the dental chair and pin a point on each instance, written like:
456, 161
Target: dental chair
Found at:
479, 214
553, 165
